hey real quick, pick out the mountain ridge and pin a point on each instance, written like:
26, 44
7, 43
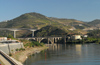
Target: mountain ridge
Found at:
37, 20
95, 23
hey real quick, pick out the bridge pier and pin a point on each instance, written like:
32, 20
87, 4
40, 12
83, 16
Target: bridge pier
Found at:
65, 39
33, 30
48, 40
18, 29
55, 40
32, 33
14, 33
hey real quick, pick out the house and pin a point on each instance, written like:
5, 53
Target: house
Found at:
85, 36
3, 38
76, 37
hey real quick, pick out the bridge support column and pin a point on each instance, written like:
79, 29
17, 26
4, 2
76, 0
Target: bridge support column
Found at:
39, 40
14, 33
56, 40
32, 33
48, 40
65, 39
33, 30
53, 41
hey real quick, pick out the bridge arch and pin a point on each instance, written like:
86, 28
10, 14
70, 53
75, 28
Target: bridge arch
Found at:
46, 41
32, 39
49, 40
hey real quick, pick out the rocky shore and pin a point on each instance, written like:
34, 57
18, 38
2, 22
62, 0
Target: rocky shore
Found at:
23, 55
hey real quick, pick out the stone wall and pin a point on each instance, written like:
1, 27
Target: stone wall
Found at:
10, 48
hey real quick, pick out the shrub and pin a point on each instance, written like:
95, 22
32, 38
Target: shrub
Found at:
10, 54
29, 44
17, 49
10, 36
21, 49
32, 44
41, 44
36, 43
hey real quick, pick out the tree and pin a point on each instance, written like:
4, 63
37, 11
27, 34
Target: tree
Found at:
10, 36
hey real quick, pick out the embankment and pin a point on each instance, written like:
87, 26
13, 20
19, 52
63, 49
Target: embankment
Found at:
23, 55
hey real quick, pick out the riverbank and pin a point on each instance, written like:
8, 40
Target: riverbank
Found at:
23, 55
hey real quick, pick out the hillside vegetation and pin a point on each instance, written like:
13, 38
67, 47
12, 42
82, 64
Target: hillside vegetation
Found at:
37, 21
94, 34
49, 31
95, 23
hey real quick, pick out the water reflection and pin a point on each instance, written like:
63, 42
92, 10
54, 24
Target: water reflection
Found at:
54, 47
78, 49
58, 54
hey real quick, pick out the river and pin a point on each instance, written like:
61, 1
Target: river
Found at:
58, 54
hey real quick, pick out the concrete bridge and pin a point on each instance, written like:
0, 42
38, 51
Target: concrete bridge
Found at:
19, 29
39, 39
51, 40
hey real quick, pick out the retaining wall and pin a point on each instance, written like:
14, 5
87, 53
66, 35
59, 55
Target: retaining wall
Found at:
10, 48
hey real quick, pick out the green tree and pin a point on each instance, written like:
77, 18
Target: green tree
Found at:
10, 36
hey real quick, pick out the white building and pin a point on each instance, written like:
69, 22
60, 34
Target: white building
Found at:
85, 36
76, 37
3, 38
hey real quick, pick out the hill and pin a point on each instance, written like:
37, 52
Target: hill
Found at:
49, 31
94, 34
28, 20
70, 23
95, 23
36, 20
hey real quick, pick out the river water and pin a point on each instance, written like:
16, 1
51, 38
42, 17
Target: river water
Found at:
58, 54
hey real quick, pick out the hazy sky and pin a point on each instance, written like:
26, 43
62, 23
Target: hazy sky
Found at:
84, 10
